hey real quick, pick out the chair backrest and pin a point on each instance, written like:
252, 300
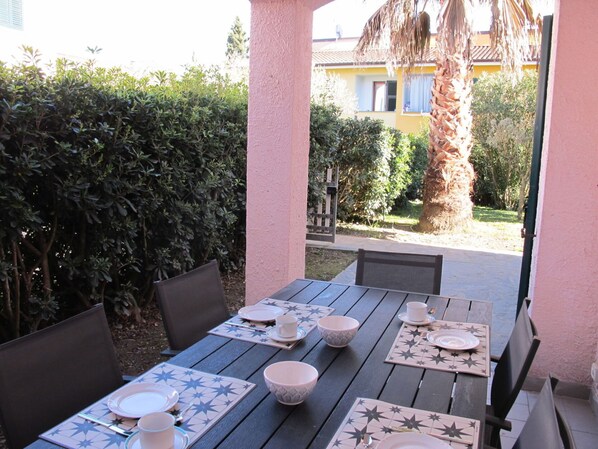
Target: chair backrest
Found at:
541, 430
399, 271
514, 364
51, 374
191, 304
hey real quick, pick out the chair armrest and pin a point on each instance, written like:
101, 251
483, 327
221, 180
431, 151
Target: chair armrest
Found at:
495, 421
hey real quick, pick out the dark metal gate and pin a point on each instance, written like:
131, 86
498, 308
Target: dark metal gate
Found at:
529, 223
321, 221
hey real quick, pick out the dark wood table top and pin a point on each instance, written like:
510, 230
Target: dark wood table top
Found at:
358, 370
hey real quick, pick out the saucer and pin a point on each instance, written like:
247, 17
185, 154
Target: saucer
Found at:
181, 440
403, 317
261, 313
459, 340
137, 399
274, 335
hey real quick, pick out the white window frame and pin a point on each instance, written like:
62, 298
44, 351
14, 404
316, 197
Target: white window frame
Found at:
381, 89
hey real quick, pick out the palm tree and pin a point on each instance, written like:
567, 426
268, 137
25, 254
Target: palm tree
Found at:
403, 28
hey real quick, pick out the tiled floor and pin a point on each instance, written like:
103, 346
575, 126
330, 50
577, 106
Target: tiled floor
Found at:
578, 413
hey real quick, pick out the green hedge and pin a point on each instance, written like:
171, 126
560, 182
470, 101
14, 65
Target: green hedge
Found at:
109, 183
374, 168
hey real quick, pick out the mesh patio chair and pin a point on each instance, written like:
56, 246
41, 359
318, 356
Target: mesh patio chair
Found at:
545, 427
191, 304
399, 271
51, 374
510, 372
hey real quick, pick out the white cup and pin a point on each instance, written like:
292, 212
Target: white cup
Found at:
156, 431
417, 311
286, 326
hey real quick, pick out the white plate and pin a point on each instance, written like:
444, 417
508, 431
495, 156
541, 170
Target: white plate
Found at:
138, 399
274, 335
260, 313
403, 317
453, 339
181, 440
411, 440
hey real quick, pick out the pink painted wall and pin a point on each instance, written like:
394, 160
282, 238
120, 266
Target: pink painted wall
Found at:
277, 143
564, 284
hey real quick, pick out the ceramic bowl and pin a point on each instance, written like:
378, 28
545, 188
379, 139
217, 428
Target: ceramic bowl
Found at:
337, 330
291, 382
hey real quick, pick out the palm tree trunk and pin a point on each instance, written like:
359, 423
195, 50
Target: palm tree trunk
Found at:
448, 181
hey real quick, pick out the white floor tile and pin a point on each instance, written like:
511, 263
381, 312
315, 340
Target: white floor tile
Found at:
578, 414
507, 442
519, 411
584, 440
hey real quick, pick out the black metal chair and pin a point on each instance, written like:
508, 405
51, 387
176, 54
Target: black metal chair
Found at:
51, 374
399, 271
191, 304
510, 372
545, 427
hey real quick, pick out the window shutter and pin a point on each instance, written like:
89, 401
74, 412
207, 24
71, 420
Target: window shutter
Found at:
11, 13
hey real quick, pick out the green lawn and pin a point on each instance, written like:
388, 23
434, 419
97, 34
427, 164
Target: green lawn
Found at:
497, 230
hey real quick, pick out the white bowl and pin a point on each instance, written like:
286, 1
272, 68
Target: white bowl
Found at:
291, 382
337, 330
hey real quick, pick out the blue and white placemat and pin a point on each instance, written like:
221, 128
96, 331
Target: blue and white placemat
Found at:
240, 329
412, 348
213, 397
380, 419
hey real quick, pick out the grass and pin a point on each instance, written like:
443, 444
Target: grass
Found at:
496, 230
324, 264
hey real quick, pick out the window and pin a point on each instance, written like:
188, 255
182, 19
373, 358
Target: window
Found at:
385, 96
11, 13
417, 93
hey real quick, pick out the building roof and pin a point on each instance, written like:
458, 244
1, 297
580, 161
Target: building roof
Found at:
340, 52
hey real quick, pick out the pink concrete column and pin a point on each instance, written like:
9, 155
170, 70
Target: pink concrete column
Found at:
564, 285
277, 144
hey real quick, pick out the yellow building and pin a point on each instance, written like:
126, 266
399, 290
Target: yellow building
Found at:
401, 102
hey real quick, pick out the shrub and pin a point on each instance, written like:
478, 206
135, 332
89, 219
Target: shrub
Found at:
417, 166
503, 122
324, 138
110, 182
373, 161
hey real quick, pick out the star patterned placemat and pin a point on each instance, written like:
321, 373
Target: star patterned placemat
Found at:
380, 419
240, 329
411, 347
213, 396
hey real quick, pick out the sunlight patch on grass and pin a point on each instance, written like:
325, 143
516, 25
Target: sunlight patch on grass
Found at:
492, 229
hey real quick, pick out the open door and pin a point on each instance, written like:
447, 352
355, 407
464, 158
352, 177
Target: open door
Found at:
529, 222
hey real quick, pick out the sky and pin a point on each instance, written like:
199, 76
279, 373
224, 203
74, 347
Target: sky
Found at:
153, 33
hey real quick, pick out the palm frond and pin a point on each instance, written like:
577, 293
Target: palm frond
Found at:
514, 32
400, 29
455, 27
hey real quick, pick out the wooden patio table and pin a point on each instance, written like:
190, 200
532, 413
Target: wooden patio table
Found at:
357, 370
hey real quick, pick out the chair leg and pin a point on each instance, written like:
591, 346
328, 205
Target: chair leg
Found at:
495, 438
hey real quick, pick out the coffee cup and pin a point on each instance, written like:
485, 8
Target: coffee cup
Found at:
286, 326
156, 431
417, 311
